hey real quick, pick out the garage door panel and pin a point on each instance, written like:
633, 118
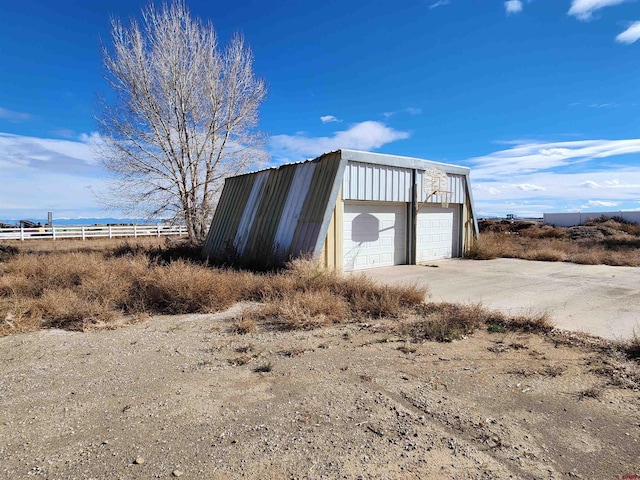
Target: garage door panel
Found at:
437, 233
374, 235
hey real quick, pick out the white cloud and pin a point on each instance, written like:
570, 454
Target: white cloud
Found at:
529, 187
599, 203
536, 157
584, 9
329, 119
513, 6
409, 110
439, 3
590, 184
14, 116
48, 174
367, 135
532, 178
630, 35
49, 154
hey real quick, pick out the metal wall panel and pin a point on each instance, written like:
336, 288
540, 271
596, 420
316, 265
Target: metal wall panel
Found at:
249, 214
271, 205
276, 212
293, 206
318, 206
456, 185
378, 183
578, 218
233, 201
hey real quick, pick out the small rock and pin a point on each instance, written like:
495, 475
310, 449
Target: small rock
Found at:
139, 460
177, 473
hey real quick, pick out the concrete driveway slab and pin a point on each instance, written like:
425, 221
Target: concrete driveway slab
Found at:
596, 299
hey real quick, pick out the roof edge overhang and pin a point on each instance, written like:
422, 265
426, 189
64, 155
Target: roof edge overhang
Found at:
400, 161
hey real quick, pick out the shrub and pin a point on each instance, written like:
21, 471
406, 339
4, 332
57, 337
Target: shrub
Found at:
303, 310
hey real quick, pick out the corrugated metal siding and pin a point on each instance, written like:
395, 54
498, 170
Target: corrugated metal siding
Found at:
249, 214
316, 206
378, 183
279, 211
233, 201
269, 213
293, 206
456, 186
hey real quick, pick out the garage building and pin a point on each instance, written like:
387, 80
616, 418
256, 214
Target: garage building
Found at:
353, 210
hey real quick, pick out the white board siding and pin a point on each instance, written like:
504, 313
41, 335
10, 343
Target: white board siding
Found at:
374, 235
437, 233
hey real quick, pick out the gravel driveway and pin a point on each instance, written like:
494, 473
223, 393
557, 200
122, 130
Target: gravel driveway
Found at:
596, 299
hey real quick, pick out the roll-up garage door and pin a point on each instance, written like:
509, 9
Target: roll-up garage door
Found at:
374, 234
438, 233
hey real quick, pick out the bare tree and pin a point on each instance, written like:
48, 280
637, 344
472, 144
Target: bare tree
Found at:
182, 118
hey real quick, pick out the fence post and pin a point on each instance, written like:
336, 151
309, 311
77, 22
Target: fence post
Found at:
110, 232
83, 234
158, 227
53, 232
135, 231
22, 233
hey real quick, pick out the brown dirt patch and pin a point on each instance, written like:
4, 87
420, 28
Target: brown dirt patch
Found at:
184, 394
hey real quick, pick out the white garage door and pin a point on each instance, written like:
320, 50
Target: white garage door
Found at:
437, 233
374, 235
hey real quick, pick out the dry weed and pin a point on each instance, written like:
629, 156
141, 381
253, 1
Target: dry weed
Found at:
246, 324
603, 241
304, 310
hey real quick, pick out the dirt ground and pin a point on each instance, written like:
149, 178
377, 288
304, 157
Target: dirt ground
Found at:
180, 397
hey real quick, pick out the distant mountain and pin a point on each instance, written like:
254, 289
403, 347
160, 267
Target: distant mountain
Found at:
89, 221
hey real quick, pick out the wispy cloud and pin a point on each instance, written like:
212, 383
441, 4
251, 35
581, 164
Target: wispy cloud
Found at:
49, 174
603, 105
599, 203
439, 3
529, 187
408, 110
584, 9
12, 116
368, 135
535, 157
532, 178
630, 35
513, 6
61, 156
329, 119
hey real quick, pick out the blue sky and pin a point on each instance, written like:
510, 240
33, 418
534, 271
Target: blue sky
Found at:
541, 98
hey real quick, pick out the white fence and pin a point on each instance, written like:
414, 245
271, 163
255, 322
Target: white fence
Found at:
24, 233
579, 218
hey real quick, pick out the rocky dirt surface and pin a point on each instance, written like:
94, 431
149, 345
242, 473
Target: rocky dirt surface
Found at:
183, 397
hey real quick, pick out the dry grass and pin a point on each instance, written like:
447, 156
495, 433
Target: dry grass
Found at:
67, 285
601, 241
445, 322
79, 289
